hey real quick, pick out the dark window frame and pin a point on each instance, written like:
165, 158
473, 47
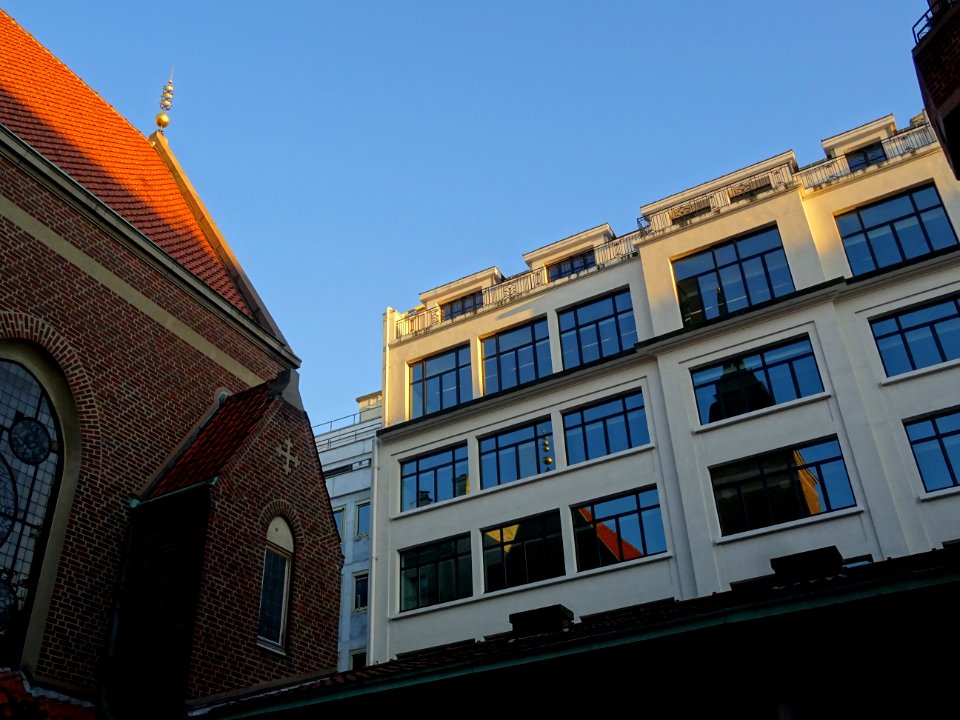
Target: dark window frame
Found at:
806, 485
31, 427
731, 257
460, 571
496, 445
939, 435
901, 335
547, 542
572, 265
623, 319
752, 400
866, 156
575, 421
423, 390
358, 532
421, 469
496, 364
463, 305
361, 592
850, 226
587, 538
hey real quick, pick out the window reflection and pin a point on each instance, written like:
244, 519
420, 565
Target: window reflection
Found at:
744, 383
732, 276
781, 486
440, 382
597, 329
435, 573
434, 477
606, 427
523, 552
919, 337
936, 447
895, 230
616, 529
516, 453
516, 356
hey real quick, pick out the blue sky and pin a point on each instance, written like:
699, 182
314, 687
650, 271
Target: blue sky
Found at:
357, 153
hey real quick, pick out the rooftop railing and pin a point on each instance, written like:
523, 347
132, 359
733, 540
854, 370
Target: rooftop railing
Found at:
512, 289
667, 218
900, 144
927, 21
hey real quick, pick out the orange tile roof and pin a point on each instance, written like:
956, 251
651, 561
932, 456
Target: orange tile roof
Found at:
98, 148
223, 435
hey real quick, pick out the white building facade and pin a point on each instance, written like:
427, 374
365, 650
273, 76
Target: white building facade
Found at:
769, 365
346, 449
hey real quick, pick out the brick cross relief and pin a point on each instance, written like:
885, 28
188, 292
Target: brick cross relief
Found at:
283, 451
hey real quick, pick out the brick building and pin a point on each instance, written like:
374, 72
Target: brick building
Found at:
165, 532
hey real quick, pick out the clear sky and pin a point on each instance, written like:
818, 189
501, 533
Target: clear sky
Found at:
356, 153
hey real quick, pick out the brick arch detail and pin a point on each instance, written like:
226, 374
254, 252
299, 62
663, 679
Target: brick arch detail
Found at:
289, 513
24, 327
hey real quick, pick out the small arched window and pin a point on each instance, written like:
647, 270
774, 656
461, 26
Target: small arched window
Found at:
30, 469
275, 590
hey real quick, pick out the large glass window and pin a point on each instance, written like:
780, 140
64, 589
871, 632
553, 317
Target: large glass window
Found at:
434, 477
919, 336
765, 377
732, 276
516, 356
523, 551
605, 427
781, 486
893, 231
516, 453
936, 447
597, 329
30, 471
274, 589
435, 573
619, 528
440, 382
462, 305
572, 265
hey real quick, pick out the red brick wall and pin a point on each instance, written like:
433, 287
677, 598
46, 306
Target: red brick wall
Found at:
247, 497
139, 390
937, 58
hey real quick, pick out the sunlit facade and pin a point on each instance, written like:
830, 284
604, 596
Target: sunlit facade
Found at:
767, 365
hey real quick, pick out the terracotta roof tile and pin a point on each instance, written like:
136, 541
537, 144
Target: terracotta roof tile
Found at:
103, 152
223, 435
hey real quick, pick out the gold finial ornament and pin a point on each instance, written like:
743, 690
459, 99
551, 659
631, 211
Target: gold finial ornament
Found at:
166, 102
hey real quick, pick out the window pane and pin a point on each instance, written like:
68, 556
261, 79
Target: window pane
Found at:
781, 486
896, 220
938, 228
932, 465
911, 237
886, 211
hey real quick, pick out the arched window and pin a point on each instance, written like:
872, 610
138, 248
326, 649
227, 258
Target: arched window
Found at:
31, 466
275, 590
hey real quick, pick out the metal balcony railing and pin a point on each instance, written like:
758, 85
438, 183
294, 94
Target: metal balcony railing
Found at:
922, 26
899, 144
511, 289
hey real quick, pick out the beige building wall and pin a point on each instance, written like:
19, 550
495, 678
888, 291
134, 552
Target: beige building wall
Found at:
893, 515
